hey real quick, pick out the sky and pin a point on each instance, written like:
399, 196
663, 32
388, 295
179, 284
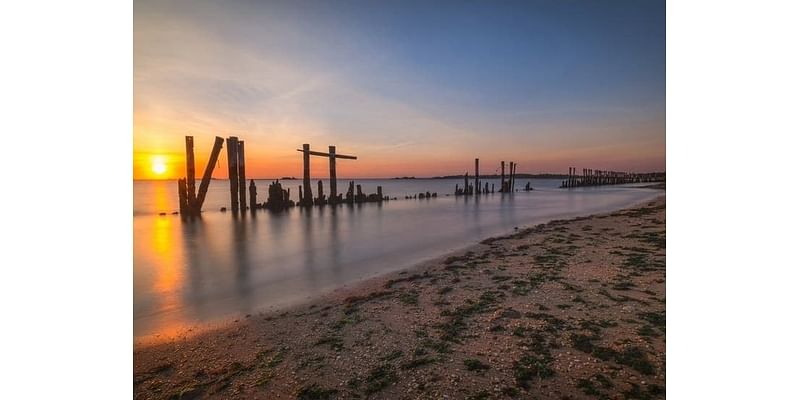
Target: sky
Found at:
410, 88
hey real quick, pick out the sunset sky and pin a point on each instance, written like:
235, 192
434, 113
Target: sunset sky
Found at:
410, 88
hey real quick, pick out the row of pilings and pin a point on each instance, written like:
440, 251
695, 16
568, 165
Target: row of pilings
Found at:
191, 200
592, 177
506, 185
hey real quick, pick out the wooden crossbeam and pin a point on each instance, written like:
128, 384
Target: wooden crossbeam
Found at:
321, 154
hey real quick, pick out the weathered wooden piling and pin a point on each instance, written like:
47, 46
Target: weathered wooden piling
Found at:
232, 146
477, 175
380, 192
241, 175
332, 164
212, 161
350, 198
190, 181
320, 200
182, 197
253, 195
307, 198
466, 183
502, 176
511, 170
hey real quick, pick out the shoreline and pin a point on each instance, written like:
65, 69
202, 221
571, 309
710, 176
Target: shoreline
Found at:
377, 336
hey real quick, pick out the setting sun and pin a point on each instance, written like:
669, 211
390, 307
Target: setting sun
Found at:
158, 166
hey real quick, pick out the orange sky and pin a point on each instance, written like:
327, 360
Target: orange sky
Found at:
421, 102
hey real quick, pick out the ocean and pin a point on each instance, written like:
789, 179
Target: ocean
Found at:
225, 265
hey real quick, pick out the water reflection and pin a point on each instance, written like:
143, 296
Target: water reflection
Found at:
221, 265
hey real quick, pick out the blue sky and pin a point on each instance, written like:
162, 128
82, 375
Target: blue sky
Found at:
549, 84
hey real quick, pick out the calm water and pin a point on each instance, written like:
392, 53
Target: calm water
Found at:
221, 266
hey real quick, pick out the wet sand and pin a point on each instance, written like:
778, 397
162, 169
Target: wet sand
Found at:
567, 309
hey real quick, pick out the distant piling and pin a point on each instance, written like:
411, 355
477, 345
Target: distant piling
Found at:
477, 175
332, 178
190, 179
241, 175
253, 195
232, 146
307, 196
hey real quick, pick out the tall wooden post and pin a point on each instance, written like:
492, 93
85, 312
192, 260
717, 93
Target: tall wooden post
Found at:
190, 183
332, 161
502, 176
466, 183
307, 196
242, 180
212, 161
253, 194
182, 200
233, 171
380, 193
320, 194
477, 174
511, 177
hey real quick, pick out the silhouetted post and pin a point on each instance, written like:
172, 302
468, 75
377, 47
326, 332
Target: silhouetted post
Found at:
477, 174
242, 180
332, 177
233, 172
307, 201
212, 161
190, 188
486, 187
502, 176
350, 193
380, 193
359, 194
300, 194
182, 199
253, 200
320, 194
511, 177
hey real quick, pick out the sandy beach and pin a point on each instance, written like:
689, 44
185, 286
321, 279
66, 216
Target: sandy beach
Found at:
567, 309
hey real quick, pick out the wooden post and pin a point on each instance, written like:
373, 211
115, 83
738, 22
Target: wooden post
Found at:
182, 200
212, 161
190, 188
511, 177
233, 171
466, 183
307, 199
502, 176
380, 193
300, 194
253, 200
242, 180
320, 194
332, 161
477, 173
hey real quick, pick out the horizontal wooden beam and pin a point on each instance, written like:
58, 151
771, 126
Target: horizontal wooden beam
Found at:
321, 154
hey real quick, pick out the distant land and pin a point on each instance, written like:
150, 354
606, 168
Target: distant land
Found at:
497, 176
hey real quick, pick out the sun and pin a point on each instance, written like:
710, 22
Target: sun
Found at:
158, 166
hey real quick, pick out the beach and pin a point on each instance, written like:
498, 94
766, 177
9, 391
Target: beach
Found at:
568, 309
